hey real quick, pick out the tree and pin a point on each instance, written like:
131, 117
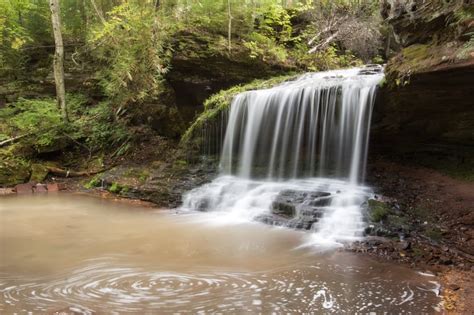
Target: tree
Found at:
58, 63
229, 30
353, 24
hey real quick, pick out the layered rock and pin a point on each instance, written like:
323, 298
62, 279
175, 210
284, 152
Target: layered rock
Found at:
426, 103
297, 209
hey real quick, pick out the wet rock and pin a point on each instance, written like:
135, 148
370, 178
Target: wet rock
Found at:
40, 188
283, 208
53, 187
272, 219
371, 69
300, 209
311, 213
203, 205
24, 188
161, 183
300, 223
321, 202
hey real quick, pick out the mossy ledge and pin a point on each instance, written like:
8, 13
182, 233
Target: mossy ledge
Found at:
221, 101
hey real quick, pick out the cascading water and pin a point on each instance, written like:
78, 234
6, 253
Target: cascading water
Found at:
295, 155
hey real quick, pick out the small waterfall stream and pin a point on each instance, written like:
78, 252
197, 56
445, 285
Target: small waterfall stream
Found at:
295, 155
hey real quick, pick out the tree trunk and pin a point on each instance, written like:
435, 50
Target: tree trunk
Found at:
229, 34
58, 58
98, 12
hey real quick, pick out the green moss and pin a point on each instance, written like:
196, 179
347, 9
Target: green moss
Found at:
38, 173
415, 53
13, 170
119, 189
115, 188
378, 210
181, 163
124, 190
94, 182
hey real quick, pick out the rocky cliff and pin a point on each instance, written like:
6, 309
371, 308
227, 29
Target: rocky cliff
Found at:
426, 103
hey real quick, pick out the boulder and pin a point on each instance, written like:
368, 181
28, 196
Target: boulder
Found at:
24, 188
298, 209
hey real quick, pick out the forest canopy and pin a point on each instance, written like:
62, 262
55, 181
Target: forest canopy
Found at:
276, 31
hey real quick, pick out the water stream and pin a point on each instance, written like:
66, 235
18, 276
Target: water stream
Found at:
295, 155
89, 255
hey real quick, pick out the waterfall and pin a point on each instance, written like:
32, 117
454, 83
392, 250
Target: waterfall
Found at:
295, 154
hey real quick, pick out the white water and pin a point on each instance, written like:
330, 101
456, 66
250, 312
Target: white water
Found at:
309, 135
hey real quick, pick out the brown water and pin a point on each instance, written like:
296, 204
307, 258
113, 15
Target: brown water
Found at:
86, 254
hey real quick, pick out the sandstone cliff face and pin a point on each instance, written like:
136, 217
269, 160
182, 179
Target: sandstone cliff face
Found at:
427, 101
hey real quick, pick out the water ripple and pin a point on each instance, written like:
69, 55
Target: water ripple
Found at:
101, 286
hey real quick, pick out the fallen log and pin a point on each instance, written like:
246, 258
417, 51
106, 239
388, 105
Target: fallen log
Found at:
69, 173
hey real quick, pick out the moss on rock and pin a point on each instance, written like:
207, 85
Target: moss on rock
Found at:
433, 37
13, 170
377, 210
38, 173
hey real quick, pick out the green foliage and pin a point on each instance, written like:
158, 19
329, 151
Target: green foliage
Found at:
378, 60
39, 120
23, 24
271, 35
94, 182
100, 129
92, 127
265, 48
115, 188
13, 170
133, 47
378, 210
